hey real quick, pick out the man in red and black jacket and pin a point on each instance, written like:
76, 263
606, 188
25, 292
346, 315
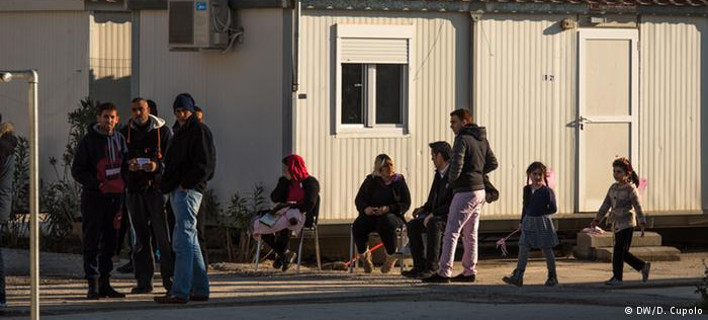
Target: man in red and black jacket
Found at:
147, 138
97, 167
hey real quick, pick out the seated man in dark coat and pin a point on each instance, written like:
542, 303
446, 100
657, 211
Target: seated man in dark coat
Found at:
431, 218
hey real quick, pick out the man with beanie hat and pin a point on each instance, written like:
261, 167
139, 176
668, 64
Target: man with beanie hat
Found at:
189, 164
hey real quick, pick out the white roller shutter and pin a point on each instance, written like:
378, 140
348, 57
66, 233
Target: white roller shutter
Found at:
374, 50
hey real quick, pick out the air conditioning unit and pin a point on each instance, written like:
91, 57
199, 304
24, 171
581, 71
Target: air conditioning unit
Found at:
199, 24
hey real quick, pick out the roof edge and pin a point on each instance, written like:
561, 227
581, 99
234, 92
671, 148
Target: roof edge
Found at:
505, 7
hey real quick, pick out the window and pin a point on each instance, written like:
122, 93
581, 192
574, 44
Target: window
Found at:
372, 80
375, 89
353, 93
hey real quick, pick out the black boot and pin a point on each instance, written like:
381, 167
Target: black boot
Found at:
288, 259
105, 289
92, 290
278, 262
144, 286
552, 279
167, 283
126, 268
517, 278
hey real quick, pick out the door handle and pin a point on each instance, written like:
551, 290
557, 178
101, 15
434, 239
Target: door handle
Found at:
581, 122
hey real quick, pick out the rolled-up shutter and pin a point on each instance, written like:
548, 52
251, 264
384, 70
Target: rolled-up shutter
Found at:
376, 50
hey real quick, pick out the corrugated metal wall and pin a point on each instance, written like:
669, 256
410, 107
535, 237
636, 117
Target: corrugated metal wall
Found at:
525, 93
439, 85
110, 58
525, 112
241, 93
673, 56
527, 116
57, 45
110, 44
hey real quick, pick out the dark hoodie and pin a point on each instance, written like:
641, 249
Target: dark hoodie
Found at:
191, 158
148, 141
98, 159
472, 158
8, 142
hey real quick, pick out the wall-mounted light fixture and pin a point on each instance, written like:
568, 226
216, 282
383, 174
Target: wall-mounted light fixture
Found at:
568, 24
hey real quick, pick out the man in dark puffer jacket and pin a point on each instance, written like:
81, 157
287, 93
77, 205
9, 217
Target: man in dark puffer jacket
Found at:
472, 158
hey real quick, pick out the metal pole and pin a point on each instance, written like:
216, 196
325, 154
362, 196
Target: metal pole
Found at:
33, 80
34, 194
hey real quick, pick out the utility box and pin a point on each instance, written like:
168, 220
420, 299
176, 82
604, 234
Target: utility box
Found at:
199, 24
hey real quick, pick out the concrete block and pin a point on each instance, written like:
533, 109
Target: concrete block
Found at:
644, 253
650, 239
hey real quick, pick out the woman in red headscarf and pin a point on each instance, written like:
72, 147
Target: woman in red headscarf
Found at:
296, 196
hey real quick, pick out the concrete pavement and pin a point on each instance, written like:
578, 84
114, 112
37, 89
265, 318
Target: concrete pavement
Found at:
238, 290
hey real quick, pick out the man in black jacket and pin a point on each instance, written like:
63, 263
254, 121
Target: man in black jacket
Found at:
189, 164
147, 138
97, 167
472, 158
8, 142
431, 218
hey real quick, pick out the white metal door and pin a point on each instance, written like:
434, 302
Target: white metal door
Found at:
607, 124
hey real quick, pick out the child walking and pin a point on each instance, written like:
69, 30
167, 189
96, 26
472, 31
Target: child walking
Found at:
620, 200
536, 227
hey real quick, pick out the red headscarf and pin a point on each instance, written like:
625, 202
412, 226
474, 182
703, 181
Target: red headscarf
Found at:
297, 169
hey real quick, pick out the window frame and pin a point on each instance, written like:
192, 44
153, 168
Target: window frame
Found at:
370, 128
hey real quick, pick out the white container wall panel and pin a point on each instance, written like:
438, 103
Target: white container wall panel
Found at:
110, 45
110, 58
42, 5
524, 73
439, 84
57, 45
240, 92
673, 58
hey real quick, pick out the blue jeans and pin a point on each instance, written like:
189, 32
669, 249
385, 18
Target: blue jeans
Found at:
2, 276
190, 271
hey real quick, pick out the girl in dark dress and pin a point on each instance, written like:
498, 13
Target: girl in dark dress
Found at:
536, 227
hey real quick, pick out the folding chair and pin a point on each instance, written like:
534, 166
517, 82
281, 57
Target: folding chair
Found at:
257, 258
310, 226
400, 235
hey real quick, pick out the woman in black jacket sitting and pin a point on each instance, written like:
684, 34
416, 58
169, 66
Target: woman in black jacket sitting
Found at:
382, 201
296, 196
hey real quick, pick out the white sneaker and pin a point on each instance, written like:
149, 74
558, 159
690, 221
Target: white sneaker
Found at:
613, 282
